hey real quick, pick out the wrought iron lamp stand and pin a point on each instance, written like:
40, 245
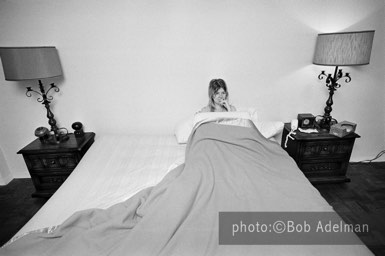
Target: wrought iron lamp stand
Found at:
332, 84
59, 134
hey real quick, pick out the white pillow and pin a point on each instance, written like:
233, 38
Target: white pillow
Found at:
269, 129
252, 112
183, 129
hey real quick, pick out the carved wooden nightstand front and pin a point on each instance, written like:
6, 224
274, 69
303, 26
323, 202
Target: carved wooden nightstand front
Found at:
50, 164
322, 157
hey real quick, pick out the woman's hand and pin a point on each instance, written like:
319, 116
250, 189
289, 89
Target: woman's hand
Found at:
225, 104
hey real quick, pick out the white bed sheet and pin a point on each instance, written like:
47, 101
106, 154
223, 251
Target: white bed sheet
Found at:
114, 169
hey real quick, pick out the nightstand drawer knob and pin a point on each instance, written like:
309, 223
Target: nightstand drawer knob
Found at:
50, 162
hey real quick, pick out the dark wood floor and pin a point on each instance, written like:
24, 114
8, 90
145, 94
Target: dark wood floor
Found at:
17, 207
360, 201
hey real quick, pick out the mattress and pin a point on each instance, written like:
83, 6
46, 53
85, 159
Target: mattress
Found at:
114, 168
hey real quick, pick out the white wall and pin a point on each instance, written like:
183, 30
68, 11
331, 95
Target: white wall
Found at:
141, 66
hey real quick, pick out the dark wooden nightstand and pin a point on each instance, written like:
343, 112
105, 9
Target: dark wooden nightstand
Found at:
322, 157
50, 164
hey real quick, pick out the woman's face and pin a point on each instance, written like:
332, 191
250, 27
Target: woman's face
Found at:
219, 96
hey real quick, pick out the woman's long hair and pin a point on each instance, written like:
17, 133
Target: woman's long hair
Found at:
214, 86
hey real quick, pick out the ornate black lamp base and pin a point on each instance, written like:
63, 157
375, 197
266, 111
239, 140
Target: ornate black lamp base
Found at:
324, 123
58, 136
47, 137
331, 82
53, 139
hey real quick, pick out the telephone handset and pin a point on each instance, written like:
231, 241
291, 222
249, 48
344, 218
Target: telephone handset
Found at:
293, 128
294, 124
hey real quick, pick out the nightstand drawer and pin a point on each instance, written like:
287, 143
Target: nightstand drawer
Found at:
327, 149
325, 171
49, 182
331, 167
49, 161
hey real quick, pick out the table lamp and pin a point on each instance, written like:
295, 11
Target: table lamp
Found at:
340, 49
35, 63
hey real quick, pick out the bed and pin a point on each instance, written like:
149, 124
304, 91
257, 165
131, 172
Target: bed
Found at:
150, 195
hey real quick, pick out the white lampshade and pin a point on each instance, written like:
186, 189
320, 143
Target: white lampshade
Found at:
343, 49
25, 63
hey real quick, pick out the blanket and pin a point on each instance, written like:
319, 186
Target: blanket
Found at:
227, 168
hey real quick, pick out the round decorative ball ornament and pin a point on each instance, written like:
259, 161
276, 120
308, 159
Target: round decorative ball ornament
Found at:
41, 132
77, 126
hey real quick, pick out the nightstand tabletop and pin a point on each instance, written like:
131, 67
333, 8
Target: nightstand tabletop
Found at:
318, 136
72, 144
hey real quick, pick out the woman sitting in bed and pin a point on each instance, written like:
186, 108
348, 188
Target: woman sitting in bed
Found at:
218, 97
